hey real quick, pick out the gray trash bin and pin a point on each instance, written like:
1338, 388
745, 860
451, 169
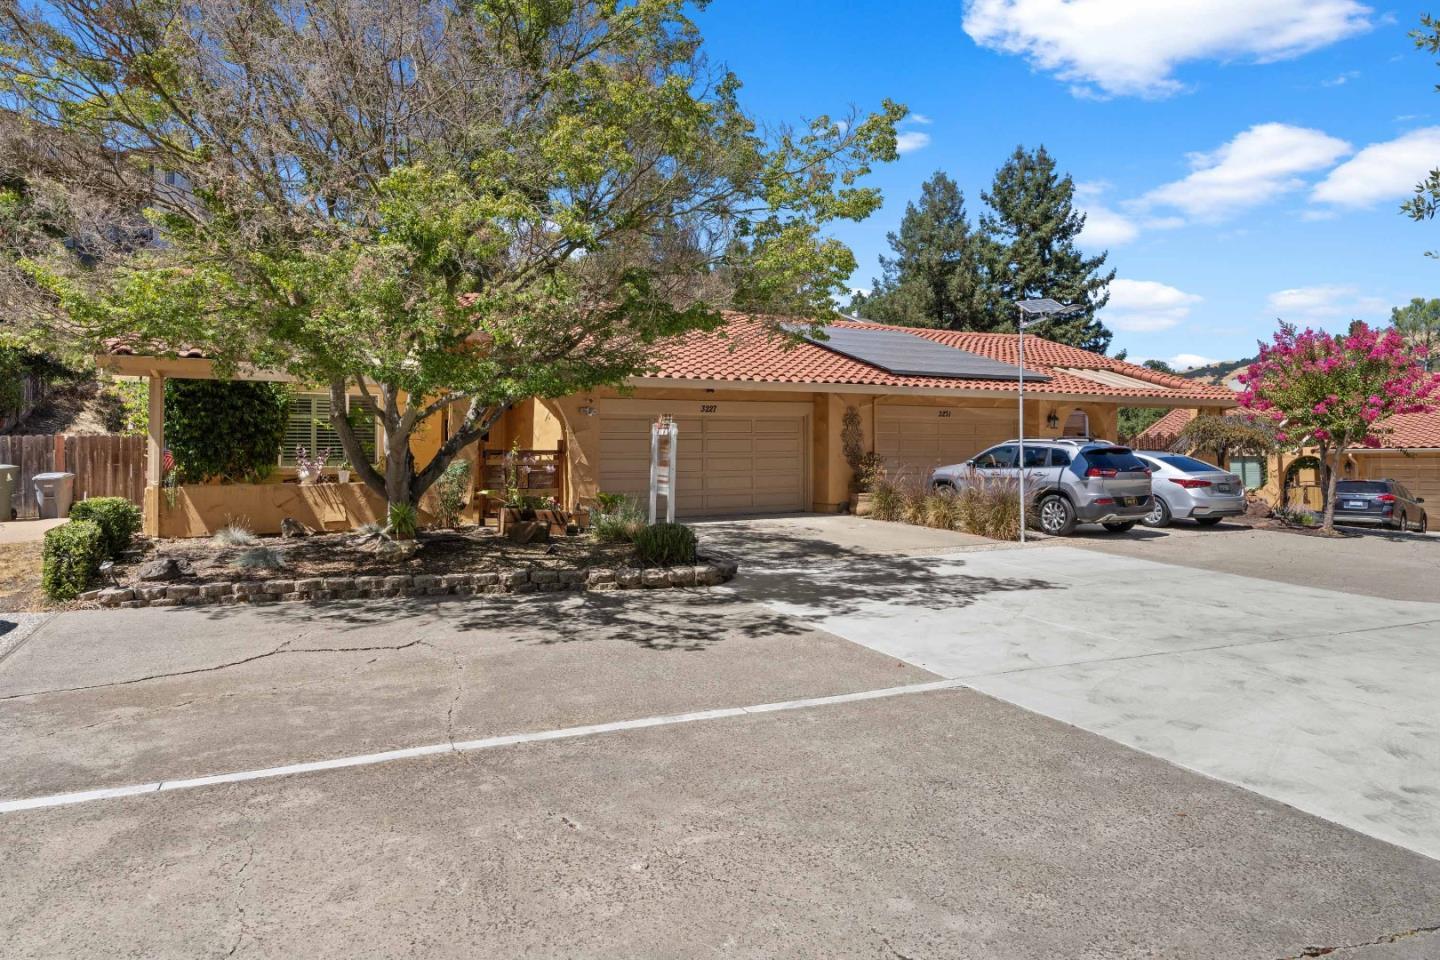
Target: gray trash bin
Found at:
52, 494
9, 480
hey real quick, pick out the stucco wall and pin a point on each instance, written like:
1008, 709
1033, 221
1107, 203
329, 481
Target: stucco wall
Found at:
200, 511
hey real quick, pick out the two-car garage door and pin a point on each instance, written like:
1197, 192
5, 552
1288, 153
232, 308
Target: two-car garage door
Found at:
735, 458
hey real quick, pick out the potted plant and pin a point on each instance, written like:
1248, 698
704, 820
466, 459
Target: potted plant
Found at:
869, 471
310, 469
342, 472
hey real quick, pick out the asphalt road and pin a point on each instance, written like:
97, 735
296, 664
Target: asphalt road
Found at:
919, 824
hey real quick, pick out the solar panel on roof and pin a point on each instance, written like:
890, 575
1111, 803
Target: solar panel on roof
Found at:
907, 355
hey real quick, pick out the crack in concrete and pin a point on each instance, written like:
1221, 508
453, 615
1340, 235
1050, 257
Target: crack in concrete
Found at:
281, 650
244, 880
1309, 952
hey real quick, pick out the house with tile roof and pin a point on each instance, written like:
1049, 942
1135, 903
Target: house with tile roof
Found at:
1409, 452
760, 413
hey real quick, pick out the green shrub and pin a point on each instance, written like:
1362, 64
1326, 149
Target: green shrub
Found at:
404, 520
119, 520
70, 559
620, 524
610, 502
665, 544
227, 429
450, 492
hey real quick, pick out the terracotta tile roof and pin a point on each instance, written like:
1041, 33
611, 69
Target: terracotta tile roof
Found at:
129, 348
1404, 431
1411, 430
1163, 432
745, 351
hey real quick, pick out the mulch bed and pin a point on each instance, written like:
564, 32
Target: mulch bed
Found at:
477, 550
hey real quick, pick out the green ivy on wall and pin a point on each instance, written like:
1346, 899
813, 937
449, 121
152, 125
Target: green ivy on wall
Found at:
230, 430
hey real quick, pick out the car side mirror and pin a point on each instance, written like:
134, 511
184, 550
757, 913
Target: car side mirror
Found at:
1419, 499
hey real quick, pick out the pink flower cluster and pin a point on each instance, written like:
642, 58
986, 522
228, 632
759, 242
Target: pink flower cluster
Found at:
1337, 388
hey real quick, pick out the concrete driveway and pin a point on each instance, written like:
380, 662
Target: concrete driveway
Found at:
657, 775
1318, 698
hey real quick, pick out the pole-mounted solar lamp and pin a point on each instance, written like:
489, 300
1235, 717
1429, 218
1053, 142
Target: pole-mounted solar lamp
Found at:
1030, 311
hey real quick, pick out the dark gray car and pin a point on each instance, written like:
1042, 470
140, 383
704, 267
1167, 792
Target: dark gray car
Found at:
1067, 481
1380, 503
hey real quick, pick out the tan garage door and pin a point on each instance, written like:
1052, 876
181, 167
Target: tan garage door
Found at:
1419, 472
735, 458
914, 440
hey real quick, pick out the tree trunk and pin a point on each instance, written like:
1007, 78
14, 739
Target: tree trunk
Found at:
1330, 482
401, 484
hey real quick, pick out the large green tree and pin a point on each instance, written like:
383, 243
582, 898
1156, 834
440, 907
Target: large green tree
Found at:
1419, 322
936, 277
432, 202
1030, 233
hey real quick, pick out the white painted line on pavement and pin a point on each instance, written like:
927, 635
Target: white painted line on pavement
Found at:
464, 746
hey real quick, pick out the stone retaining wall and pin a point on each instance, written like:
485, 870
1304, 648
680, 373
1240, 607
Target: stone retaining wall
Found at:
535, 580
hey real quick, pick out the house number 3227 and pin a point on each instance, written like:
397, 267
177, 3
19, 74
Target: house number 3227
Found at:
943, 413
708, 407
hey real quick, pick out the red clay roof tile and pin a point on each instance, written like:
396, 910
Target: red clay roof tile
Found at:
746, 350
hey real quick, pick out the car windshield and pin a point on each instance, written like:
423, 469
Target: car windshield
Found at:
1361, 486
1189, 464
1114, 458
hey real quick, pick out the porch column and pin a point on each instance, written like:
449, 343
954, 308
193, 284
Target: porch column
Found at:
155, 434
154, 455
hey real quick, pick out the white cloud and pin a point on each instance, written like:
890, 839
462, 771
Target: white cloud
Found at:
1257, 164
1382, 171
1324, 301
1107, 228
919, 118
1189, 361
1132, 47
1342, 79
911, 140
1144, 306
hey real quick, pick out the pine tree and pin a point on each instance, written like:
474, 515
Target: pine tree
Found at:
1419, 322
935, 278
1029, 237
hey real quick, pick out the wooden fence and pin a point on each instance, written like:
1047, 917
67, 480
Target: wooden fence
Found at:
104, 465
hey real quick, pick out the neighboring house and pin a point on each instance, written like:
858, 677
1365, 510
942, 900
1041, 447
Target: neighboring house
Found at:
1409, 452
760, 416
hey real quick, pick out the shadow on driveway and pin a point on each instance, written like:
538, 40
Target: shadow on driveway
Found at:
806, 573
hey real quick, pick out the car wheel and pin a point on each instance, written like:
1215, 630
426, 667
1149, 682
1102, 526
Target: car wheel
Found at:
1120, 527
1057, 517
1159, 515
1208, 521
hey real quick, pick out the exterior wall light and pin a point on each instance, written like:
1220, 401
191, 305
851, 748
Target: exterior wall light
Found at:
1053, 420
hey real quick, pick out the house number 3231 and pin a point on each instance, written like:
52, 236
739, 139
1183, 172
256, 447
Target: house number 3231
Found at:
943, 413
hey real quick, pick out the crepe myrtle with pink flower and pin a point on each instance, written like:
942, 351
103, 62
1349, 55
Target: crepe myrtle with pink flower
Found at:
1336, 392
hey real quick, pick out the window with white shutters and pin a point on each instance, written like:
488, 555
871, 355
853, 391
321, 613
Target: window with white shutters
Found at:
309, 427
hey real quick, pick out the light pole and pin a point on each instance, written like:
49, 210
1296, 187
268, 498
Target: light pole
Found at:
1031, 310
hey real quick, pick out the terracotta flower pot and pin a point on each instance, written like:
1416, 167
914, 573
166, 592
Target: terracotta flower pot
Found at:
864, 504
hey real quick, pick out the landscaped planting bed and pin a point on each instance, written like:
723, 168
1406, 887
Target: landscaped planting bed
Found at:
342, 567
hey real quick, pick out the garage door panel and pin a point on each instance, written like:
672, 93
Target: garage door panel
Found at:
731, 464
917, 439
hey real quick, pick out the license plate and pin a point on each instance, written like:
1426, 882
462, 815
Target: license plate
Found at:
1130, 501
1355, 505
1224, 488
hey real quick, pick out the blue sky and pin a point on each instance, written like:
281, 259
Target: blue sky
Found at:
1241, 160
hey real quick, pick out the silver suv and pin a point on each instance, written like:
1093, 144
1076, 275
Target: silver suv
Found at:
1069, 481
